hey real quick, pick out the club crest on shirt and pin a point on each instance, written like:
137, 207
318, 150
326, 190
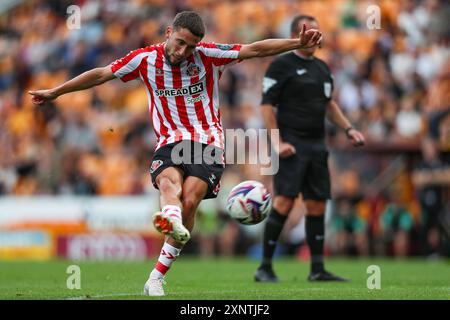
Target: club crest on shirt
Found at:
193, 70
155, 165
159, 71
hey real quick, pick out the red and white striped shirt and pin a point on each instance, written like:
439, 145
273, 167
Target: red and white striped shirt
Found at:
183, 99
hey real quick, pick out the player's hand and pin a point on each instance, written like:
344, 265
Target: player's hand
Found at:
286, 150
309, 38
355, 137
42, 96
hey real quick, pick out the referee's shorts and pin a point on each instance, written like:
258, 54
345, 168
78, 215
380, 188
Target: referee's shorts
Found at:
304, 172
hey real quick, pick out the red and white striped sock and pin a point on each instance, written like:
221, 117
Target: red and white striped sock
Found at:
171, 211
168, 255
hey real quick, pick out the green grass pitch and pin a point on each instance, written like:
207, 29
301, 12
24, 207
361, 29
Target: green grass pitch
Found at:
225, 279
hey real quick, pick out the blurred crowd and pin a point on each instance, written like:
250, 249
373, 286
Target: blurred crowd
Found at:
393, 82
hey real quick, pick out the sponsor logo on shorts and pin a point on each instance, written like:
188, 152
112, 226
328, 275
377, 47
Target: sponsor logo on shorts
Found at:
155, 165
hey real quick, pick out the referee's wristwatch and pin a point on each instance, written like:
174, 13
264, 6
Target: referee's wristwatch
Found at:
348, 130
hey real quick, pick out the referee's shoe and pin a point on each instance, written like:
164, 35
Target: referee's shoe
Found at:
325, 276
268, 275
265, 275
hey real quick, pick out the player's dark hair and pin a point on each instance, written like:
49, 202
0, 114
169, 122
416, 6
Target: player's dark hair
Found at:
295, 28
189, 20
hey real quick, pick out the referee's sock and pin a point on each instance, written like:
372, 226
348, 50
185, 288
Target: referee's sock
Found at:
315, 234
272, 230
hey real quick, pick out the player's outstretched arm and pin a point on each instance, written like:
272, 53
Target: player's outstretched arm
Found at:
307, 39
85, 80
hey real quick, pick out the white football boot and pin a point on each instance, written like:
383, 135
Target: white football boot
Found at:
154, 287
172, 226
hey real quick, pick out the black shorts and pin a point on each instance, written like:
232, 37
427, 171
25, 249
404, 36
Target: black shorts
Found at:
207, 165
304, 172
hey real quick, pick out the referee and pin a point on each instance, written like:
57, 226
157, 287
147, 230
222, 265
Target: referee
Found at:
300, 86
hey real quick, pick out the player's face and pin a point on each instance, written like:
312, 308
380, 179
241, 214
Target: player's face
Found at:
309, 25
179, 44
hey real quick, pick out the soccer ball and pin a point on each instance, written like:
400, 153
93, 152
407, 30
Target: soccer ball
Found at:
249, 202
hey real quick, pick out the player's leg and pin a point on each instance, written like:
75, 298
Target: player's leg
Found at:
169, 220
194, 188
193, 191
282, 205
169, 182
167, 176
202, 181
